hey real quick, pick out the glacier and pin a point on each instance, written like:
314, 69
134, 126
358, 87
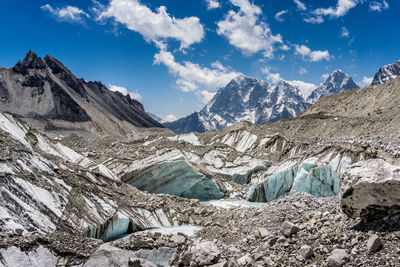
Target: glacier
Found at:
175, 177
319, 180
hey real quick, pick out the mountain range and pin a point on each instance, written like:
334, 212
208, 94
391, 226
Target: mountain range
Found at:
254, 100
49, 97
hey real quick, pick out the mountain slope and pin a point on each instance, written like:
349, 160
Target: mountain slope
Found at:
48, 96
244, 98
387, 73
337, 81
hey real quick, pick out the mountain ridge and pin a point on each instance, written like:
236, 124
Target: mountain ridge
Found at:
46, 94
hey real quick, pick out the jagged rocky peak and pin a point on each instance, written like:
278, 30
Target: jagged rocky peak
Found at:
337, 81
387, 73
31, 61
48, 95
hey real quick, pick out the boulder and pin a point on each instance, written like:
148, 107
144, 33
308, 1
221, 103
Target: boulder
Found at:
337, 258
289, 229
306, 251
204, 253
374, 243
371, 189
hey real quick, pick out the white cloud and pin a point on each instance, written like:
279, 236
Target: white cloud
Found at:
193, 77
169, 118
124, 91
325, 76
68, 13
378, 6
366, 81
300, 5
154, 26
302, 71
284, 47
305, 88
278, 16
206, 96
244, 30
307, 53
314, 20
270, 76
345, 32
341, 9
212, 4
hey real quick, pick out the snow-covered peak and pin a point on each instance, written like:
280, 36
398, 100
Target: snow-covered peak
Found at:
337, 81
387, 73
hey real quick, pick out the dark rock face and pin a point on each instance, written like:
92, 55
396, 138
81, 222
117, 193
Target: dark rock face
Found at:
387, 73
45, 89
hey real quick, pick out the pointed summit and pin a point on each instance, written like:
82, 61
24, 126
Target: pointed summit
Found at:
31, 61
387, 73
337, 81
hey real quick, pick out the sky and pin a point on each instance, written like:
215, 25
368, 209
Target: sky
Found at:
174, 55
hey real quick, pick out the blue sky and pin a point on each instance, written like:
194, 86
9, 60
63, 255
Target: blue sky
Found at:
174, 55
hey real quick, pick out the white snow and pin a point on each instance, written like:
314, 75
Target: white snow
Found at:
190, 138
15, 129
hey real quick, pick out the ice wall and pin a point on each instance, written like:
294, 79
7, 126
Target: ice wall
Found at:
319, 180
175, 177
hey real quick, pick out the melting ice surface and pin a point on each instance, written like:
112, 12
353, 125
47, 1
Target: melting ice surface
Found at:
233, 203
319, 180
189, 230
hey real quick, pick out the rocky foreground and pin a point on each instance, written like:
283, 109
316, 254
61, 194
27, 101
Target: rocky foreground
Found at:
309, 191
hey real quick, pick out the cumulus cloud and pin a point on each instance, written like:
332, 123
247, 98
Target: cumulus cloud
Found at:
284, 47
345, 32
193, 77
304, 87
278, 16
302, 71
300, 5
124, 91
314, 20
378, 6
270, 76
169, 118
206, 96
154, 26
307, 54
325, 76
212, 4
366, 81
341, 9
244, 30
68, 13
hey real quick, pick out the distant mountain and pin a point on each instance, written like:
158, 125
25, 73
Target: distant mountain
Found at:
387, 73
256, 101
337, 81
244, 98
48, 96
155, 117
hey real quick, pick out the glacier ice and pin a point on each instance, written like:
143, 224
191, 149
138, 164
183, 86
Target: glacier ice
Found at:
320, 180
175, 177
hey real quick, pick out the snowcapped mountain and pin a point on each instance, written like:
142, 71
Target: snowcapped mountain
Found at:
244, 98
49, 97
337, 81
254, 100
387, 73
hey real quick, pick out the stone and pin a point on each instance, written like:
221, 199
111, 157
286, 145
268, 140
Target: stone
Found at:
19, 231
370, 189
337, 258
245, 260
179, 239
306, 251
205, 253
289, 229
272, 241
262, 232
374, 243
